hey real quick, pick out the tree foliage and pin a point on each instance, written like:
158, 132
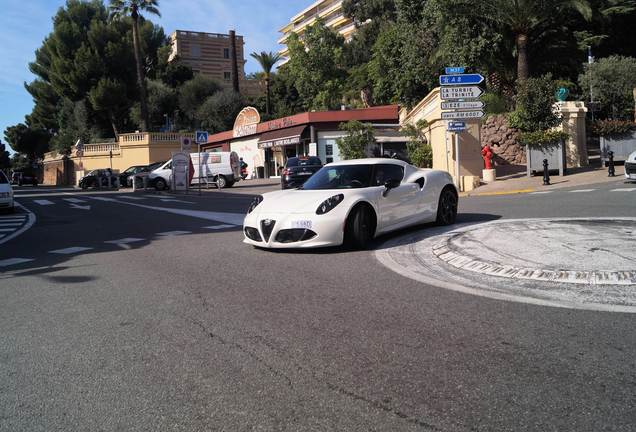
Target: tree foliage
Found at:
613, 80
419, 150
357, 141
31, 142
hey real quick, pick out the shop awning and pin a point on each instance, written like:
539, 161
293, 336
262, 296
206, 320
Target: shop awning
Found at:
282, 137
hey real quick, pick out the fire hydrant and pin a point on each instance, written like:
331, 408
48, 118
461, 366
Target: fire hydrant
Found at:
487, 154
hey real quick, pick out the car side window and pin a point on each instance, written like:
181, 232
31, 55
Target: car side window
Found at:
385, 172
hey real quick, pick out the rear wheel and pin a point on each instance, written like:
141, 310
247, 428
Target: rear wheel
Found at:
447, 207
160, 184
221, 182
359, 228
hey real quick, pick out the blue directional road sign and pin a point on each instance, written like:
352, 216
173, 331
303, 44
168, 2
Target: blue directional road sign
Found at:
456, 126
201, 137
454, 70
465, 79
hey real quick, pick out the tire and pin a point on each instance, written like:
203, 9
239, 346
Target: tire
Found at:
160, 184
447, 207
359, 229
221, 182
84, 186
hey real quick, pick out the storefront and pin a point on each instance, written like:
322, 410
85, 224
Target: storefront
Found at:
266, 146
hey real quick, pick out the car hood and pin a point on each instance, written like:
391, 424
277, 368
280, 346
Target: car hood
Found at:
298, 200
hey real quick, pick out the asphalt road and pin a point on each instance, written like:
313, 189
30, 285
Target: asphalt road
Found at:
143, 314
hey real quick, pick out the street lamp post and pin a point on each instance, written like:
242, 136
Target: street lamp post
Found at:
590, 60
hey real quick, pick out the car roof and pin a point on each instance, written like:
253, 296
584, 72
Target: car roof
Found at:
370, 161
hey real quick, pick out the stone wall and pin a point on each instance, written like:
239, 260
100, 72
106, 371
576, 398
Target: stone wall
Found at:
503, 140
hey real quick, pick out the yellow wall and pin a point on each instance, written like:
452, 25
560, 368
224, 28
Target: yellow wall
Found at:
443, 143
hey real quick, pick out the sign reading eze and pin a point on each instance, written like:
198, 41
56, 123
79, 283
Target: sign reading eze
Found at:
451, 115
461, 92
466, 105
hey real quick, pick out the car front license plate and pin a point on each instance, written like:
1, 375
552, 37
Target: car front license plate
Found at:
304, 224
632, 176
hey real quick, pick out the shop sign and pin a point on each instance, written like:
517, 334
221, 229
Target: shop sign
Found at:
246, 122
280, 123
279, 142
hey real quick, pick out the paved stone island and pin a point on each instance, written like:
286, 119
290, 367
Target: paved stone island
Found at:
586, 263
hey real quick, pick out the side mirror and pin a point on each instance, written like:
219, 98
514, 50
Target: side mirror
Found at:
390, 184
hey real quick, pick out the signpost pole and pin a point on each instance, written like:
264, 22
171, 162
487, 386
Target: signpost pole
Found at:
199, 163
457, 180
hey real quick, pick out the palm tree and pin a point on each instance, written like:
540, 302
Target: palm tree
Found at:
523, 18
267, 60
123, 8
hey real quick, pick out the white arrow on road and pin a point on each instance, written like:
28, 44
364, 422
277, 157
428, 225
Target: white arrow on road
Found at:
80, 207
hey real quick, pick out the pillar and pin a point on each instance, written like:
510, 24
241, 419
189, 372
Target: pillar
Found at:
574, 114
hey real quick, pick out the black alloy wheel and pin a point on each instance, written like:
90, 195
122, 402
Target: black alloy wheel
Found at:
160, 184
358, 233
447, 208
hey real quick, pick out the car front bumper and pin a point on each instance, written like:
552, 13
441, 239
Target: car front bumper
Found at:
329, 229
630, 170
6, 203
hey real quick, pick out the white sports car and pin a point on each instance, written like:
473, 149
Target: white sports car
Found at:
351, 202
630, 167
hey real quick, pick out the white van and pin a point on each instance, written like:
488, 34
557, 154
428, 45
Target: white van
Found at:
222, 165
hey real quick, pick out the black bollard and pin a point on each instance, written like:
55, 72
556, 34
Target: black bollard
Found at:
546, 175
611, 171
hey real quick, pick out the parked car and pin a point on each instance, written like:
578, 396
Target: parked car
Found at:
143, 173
223, 167
22, 177
630, 167
351, 202
6, 194
92, 177
129, 172
298, 170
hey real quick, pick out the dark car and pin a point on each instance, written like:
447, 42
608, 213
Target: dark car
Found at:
128, 173
23, 177
298, 170
142, 173
99, 175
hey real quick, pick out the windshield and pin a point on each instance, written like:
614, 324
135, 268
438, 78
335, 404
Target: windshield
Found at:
340, 177
131, 170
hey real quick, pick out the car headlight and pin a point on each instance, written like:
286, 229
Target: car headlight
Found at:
329, 204
255, 202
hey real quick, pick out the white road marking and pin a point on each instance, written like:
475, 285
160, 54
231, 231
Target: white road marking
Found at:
10, 224
624, 190
74, 200
540, 193
132, 198
10, 218
71, 250
14, 261
80, 207
43, 202
582, 190
7, 229
125, 240
29, 223
219, 227
104, 199
173, 233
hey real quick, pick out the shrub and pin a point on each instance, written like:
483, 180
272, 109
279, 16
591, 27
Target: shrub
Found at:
543, 138
418, 149
535, 100
612, 128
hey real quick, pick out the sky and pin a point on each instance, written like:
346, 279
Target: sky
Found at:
25, 23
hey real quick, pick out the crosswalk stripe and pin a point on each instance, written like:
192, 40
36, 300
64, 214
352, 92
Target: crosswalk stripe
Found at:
104, 199
70, 250
74, 200
219, 227
7, 229
540, 193
10, 224
14, 261
132, 198
173, 233
43, 202
624, 190
582, 190
125, 240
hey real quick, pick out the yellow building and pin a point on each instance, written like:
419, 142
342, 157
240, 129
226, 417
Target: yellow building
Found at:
128, 150
330, 11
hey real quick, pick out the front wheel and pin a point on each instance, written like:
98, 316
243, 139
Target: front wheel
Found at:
447, 207
359, 229
221, 182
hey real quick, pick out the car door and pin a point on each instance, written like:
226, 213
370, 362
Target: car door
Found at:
396, 205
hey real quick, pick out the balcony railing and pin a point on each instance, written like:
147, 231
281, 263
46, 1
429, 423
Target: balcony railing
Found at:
101, 148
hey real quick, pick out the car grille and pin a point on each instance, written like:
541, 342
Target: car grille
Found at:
267, 226
253, 234
294, 235
630, 167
